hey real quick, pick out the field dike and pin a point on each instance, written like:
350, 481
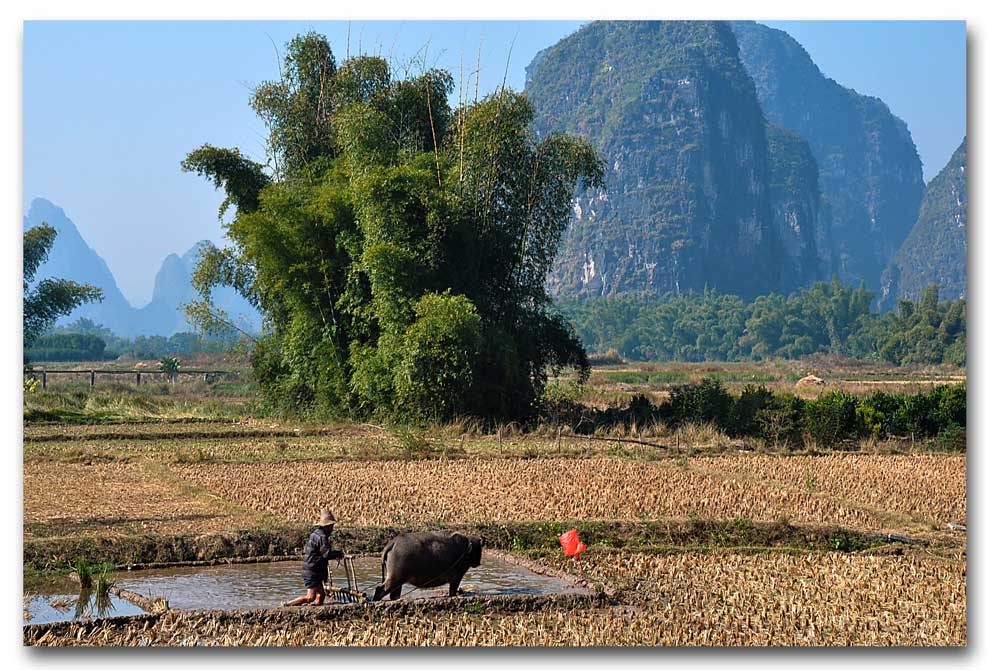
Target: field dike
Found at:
55, 554
118, 631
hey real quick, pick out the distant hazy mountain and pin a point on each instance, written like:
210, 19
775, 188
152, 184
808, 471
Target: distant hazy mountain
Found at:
935, 250
869, 167
72, 258
173, 288
696, 193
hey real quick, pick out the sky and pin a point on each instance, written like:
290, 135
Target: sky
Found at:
112, 107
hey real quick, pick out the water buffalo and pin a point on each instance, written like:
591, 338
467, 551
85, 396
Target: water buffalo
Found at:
427, 560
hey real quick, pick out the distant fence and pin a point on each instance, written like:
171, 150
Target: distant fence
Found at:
208, 375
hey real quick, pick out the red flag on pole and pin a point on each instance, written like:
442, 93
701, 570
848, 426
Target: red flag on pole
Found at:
572, 544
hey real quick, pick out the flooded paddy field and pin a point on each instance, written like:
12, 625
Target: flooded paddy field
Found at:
268, 584
260, 585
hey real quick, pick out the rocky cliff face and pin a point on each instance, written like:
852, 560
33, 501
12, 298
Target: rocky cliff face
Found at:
869, 168
935, 250
690, 197
795, 201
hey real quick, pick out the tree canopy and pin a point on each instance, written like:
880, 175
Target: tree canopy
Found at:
826, 317
397, 246
50, 298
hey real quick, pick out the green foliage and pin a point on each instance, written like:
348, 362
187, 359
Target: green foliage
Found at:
704, 402
926, 331
79, 340
169, 364
50, 298
105, 580
781, 421
399, 249
879, 413
68, 347
927, 414
951, 409
746, 408
952, 438
298, 108
85, 571
825, 317
832, 419
228, 169
434, 376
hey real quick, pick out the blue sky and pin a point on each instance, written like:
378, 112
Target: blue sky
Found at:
111, 108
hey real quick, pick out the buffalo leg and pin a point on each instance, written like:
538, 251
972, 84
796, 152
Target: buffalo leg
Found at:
379, 592
455, 584
395, 592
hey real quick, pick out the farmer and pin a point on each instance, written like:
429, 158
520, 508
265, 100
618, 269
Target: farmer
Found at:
318, 553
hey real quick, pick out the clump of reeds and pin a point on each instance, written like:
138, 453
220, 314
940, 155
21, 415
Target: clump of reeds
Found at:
84, 570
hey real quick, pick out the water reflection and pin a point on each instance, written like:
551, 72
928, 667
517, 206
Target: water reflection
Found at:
48, 608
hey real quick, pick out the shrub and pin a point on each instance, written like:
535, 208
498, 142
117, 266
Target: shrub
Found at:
878, 413
743, 420
170, 365
951, 409
781, 422
610, 357
919, 415
832, 418
31, 384
414, 442
952, 438
704, 402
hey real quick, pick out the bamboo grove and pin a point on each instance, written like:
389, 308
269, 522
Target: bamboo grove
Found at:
396, 246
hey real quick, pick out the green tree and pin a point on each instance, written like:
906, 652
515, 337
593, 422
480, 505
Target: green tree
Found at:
397, 247
50, 298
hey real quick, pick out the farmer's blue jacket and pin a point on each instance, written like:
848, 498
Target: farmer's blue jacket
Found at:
318, 554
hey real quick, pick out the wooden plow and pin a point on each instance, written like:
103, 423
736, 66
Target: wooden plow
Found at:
350, 594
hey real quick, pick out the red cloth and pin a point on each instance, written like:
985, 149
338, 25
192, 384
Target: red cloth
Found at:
572, 544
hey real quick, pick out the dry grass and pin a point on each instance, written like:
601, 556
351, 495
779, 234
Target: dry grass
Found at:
114, 499
473, 489
681, 600
704, 436
926, 487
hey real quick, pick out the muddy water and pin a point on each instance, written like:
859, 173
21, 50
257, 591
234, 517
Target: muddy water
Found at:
256, 585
